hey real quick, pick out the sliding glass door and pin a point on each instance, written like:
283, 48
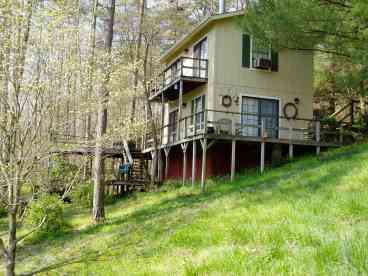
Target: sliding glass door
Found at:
254, 110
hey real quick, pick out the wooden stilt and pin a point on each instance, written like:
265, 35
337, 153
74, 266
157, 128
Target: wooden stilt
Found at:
262, 156
318, 137
291, 151
184, 147
194, 160
262, 146
341, 136
159, 165
153, 171
233, 146
204, 160
167, 151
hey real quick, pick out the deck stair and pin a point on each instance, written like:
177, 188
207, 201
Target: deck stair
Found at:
347, 114
138, 180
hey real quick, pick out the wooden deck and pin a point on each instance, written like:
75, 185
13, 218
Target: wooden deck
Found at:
299, 131
182, 76
216, 126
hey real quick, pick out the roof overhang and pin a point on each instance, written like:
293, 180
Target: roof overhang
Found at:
197, 29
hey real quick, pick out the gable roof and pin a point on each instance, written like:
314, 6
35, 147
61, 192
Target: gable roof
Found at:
198, 28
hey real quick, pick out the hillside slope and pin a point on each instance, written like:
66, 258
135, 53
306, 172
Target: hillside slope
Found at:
307, 217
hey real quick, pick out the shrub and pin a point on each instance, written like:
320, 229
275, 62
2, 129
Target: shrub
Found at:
50, 207
62, 173
3, 210
82, 194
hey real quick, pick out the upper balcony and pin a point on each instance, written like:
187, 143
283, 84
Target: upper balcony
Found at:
193, 72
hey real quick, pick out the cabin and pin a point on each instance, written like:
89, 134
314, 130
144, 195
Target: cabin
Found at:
229, 102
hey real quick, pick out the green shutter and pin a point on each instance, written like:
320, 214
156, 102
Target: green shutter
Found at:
274, 61
246, 51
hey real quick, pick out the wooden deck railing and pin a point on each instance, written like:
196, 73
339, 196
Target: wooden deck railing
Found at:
183, 67
225, 124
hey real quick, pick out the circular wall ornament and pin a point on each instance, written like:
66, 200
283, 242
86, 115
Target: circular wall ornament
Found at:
226, 101
290, 111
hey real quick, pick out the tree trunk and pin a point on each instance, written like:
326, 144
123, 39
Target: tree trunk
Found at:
12, 241
98, 213
137, 58
12, 140
91, 65
150, 114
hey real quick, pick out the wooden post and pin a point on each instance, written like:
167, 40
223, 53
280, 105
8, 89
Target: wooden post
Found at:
204, 159
159, 160
262, 145
318, 137
291, 147
162, 117
153, 171
167, 151
341, 138
233, 146
184, 147
291, 151
179, 108
194, 160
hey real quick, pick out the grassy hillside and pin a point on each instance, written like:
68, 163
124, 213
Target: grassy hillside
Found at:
305, 218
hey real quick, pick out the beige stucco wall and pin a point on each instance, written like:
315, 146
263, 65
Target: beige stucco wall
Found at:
226, 76
206, 89
294, 78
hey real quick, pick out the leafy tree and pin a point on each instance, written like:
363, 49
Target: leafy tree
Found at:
335, 27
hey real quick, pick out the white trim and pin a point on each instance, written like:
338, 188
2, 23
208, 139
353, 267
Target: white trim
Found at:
261, 97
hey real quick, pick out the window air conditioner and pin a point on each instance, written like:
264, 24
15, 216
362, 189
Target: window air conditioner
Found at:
262, 63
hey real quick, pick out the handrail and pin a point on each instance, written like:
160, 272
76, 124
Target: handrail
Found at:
177, 69
127, 151
263, 115
340, 110
190, 127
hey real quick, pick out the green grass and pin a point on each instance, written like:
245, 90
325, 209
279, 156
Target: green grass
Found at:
308, 217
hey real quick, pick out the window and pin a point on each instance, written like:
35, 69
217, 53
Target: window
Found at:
259, 49
198, 108
200, 53
200, 50
173, 124
253, 50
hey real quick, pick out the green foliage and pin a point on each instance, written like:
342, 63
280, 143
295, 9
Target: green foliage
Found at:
329, 121
335, 27
82, 194
62, 172
49, 208
3, 210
